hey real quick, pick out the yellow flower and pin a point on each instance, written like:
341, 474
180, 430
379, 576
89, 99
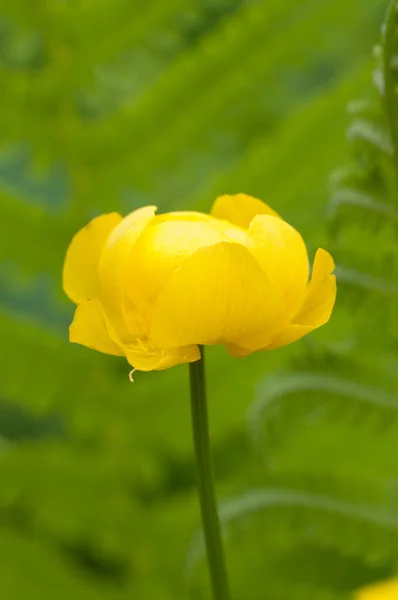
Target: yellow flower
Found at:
387, 590
152, 288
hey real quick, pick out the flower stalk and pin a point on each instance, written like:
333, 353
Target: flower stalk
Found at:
206, 486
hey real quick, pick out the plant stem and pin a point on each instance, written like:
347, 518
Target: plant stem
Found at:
207, 495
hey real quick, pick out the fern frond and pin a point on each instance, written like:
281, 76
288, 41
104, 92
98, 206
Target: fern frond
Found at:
304, 422
365, 131
300, 525
283, 388
390, 52
345, 199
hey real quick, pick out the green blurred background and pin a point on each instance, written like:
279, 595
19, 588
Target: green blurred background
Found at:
112, 104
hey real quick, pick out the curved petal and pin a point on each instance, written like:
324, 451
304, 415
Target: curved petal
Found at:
219, 295
144, 357
240, 209
89, 328
80, 277
165, 244
114, 263
239, 351
281, 252
318, 303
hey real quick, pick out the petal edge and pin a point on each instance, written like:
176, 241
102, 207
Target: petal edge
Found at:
89, 328
240, 209
145, 358
318, 303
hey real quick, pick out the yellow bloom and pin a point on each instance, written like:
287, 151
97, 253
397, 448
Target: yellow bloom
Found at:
152, 288
388, 590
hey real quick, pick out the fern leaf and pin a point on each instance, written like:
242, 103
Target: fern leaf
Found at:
390, 53
273, 389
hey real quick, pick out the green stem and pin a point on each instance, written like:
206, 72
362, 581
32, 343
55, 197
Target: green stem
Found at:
207, 494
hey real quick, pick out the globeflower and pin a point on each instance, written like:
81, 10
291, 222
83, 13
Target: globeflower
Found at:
158, 288
153, 287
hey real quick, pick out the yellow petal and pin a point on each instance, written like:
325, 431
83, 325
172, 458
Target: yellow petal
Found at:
219, 295
388, 590
80, 273
318, 303
281, 252
144, 357
165, 244
240, 209
113, 270
90, 329
230, 232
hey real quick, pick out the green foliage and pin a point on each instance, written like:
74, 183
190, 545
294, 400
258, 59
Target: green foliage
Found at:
110, 105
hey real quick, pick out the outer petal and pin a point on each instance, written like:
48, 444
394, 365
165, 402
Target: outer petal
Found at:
143, 357
281, 252
114, 262
80, 273
388, 590
318, 302
219, 295
240, 209
90, 329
